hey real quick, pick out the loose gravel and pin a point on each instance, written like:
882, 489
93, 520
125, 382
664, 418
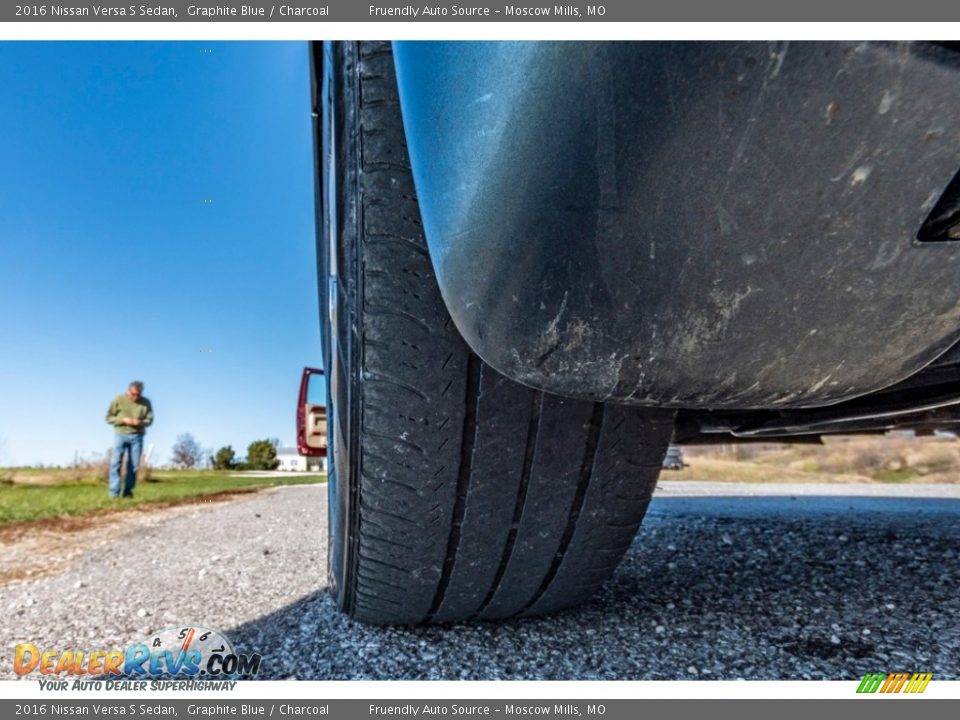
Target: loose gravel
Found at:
722, 583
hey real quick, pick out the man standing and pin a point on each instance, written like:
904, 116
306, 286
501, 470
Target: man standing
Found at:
131, 414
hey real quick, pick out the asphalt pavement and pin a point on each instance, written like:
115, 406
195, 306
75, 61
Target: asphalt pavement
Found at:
724, 581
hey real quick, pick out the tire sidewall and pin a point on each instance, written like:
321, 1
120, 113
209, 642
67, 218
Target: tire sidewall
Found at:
341, 285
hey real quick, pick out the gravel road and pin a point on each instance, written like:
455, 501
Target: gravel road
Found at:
723, 582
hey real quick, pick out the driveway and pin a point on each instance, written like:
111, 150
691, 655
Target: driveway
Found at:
724, 581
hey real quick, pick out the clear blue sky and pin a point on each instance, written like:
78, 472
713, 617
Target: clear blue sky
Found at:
114, 267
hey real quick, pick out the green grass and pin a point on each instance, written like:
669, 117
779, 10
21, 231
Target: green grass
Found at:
23, 501
896, 476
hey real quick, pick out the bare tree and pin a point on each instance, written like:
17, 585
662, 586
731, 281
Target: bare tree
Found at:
187, 452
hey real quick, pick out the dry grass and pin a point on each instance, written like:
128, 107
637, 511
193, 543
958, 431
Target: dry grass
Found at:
81, 472
839, 460
20, 502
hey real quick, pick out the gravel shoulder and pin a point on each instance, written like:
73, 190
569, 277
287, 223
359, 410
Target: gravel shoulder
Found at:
217, 564
722, 582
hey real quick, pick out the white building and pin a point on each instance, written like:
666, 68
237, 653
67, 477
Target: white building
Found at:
292, 461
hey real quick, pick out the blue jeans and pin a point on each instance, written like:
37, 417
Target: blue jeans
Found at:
133, 446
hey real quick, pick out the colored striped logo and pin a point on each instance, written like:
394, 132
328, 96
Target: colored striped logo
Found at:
894, 682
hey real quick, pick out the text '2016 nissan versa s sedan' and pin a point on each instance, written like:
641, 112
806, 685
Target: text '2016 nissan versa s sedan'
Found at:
541, 262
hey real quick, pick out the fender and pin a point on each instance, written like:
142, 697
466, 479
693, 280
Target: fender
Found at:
698, 225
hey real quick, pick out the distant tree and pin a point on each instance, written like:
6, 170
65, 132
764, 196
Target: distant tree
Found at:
187, 452
225, 458
262, 455
275, 442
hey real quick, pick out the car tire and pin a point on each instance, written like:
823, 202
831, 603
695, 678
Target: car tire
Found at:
455, 493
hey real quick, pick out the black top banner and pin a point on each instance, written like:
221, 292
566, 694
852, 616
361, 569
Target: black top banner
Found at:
479, 11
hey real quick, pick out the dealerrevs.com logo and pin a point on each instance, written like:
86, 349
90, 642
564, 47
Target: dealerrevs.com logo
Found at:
181, 651
911, 683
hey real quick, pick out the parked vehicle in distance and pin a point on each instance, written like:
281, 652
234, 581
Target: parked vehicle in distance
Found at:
312, 415
673, 459
540, 263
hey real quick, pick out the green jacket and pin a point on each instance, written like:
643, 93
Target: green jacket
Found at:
123, 407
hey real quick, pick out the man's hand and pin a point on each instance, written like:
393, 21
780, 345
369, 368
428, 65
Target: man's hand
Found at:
132, 422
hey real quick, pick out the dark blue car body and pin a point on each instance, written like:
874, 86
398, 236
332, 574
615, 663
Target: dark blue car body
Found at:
708, 226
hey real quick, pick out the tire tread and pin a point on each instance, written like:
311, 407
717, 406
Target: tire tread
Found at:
479, 498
